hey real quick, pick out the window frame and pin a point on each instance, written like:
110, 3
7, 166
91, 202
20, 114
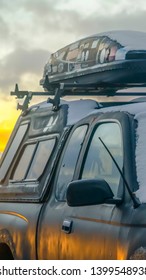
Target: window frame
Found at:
35, 141
9, 147
97, 123
57, 171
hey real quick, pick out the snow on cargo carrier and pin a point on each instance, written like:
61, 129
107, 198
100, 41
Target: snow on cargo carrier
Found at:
117, 56
72, 176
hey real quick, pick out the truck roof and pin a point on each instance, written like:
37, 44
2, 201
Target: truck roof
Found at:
74, 110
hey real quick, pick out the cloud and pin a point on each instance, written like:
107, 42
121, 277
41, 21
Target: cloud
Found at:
4, 29
120, 21
56, 25
49, 24
41, 8
21, 62
29, 29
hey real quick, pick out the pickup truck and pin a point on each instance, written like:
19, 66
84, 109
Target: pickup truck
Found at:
72, 176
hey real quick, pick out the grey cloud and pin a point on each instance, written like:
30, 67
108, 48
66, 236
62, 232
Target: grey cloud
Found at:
45, 19
20, 62
34, 6
4, 29
31, 19
49, 17
50, 20
40, 8
121, 21
44, 23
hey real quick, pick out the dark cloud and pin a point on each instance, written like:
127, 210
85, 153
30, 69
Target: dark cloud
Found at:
20, 62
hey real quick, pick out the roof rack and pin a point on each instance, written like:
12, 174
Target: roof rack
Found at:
59, 90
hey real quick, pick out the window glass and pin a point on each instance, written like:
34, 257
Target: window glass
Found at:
41, 158
12, 150
98, 163
33, 160
69, 161
24, 162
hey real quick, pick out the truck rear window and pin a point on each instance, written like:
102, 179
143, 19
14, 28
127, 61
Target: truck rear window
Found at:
10, 155
33, 160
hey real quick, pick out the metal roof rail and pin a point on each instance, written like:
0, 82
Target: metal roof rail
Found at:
59, 90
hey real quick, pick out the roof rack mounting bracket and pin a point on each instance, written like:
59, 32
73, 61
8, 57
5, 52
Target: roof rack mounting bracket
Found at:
56, 100
20, 95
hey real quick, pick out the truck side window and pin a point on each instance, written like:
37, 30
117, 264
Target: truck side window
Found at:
6, 162
98, 163
33, 160
69, 160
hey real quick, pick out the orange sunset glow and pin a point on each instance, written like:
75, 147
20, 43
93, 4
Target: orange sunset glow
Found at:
8, 117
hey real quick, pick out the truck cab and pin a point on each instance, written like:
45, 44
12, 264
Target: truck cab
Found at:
72, 176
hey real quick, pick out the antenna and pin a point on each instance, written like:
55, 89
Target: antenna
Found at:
135, 200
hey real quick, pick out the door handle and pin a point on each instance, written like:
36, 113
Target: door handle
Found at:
67, 226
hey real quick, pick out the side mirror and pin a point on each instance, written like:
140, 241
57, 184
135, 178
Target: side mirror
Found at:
88, 192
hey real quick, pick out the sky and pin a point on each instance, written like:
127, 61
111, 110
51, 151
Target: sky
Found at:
31, 29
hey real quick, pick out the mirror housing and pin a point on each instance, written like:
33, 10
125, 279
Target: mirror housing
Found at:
88, 192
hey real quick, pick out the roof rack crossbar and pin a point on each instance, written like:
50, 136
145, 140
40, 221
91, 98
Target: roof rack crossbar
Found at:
78, 89
56, 92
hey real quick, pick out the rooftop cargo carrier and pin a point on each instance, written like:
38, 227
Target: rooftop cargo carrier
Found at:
98, 65
112, 57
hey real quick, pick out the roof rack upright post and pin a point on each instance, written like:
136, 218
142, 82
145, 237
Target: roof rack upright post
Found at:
21, 94
56, 100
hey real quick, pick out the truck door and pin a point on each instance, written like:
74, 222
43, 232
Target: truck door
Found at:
82, 232
90, 232
53, 213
